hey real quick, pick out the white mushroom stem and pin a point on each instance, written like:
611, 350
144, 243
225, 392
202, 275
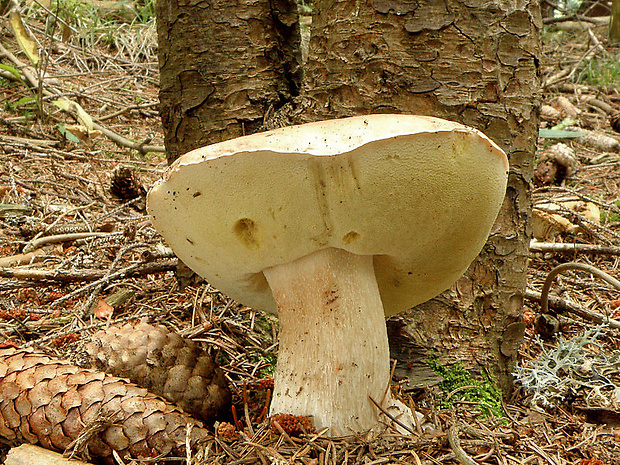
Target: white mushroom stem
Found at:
334, 351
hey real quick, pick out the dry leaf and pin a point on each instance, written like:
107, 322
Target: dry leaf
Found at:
548, 113
66, 33
24, 39
76, 110
549, 219
103, 309
82, 132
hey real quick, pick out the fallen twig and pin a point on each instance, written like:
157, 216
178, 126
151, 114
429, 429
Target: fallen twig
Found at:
90, 302
37, 243
21, 259
391, 417
455, 444
97, 325
544, 293
602, 20
141, 147
553, 189
545, 247
542, 453
31, 142
569, 73
562, 306
66, 276
31, 80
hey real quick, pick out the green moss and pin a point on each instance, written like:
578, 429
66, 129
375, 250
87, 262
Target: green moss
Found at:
610, 217
458, 385
268, 361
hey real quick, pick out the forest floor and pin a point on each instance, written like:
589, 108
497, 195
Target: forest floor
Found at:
77, 256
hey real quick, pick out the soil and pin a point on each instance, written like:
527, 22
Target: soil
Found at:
74, 232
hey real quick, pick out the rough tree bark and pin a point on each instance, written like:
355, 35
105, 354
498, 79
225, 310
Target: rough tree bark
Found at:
474, 61
224, 66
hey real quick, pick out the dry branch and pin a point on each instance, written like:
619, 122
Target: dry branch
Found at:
544, 293
67, 276
556, 247
21, 259
28, 454
455, 444
35, 244
562, 306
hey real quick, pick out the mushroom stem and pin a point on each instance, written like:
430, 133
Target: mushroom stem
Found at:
334, 351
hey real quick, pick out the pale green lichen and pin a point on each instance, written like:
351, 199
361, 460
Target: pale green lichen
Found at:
576, 367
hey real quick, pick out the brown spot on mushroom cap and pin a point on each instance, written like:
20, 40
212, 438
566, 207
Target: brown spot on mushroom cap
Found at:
350, 237
246, 231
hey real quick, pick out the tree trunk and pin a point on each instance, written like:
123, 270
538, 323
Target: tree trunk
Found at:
614, 25
472, 61
224, 66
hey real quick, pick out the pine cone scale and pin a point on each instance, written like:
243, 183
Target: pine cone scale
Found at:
26, 431
59, 437
13, 420
39, 425
39, 396
54, 411
135, 427
115, 438
26, 379
90, 393
57, 384
11, 390
22, 405
70, 399
71, 427
5, 430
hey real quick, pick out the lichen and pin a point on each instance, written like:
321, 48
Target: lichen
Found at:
576, 367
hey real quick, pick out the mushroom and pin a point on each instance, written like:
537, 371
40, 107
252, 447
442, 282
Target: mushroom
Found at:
334, 225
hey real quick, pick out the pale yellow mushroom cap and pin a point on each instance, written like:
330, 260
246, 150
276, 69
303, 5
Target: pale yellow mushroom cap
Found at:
420, 194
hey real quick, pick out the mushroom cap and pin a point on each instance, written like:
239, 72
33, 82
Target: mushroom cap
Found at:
420, 194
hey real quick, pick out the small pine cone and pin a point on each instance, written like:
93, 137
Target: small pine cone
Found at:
59, 405
166, 364
614, 121
125, 185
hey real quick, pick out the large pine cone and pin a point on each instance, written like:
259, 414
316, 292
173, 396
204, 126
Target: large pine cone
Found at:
53, 403
166, 364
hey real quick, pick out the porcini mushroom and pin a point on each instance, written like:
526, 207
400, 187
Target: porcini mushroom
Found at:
334, 225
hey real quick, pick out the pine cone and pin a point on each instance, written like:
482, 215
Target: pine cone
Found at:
126, 186
614, 121
166, 364
57, 405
